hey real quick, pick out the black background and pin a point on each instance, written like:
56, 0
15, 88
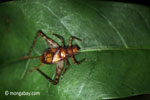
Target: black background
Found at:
141, 2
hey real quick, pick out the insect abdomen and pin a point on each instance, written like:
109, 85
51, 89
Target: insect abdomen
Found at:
48, 55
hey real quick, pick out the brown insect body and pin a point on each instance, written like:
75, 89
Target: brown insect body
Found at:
55, 55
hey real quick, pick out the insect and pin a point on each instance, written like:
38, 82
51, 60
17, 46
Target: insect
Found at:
56, 54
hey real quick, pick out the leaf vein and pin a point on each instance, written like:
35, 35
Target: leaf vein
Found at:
117, 31
110, 23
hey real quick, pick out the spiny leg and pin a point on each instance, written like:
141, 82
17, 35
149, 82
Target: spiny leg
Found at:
71, 39
61, 39
66, 67
75, 61
50, 42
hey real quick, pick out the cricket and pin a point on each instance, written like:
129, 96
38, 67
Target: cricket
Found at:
56, 54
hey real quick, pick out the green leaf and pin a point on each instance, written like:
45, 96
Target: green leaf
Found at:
116, 45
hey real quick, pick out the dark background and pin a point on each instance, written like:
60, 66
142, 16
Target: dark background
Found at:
142, 2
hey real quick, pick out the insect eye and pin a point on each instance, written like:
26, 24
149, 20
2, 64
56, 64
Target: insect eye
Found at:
78, 47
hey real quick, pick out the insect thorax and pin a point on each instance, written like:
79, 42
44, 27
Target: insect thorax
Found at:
55, 55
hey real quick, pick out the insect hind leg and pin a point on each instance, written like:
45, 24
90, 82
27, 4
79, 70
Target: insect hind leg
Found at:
46, 76
66, 67
49, 41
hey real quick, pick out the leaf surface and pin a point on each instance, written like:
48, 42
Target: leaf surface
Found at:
116, 45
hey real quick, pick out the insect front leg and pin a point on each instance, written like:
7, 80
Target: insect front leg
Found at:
61, 39
71, 39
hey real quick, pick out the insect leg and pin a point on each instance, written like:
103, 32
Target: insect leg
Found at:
71, 39
26, 57
50, 42
61, 39
47, 77
35, 68
59, 68
75, 61
66, 67
33, 43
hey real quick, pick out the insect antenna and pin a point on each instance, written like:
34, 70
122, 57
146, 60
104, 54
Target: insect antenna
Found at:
18, 60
